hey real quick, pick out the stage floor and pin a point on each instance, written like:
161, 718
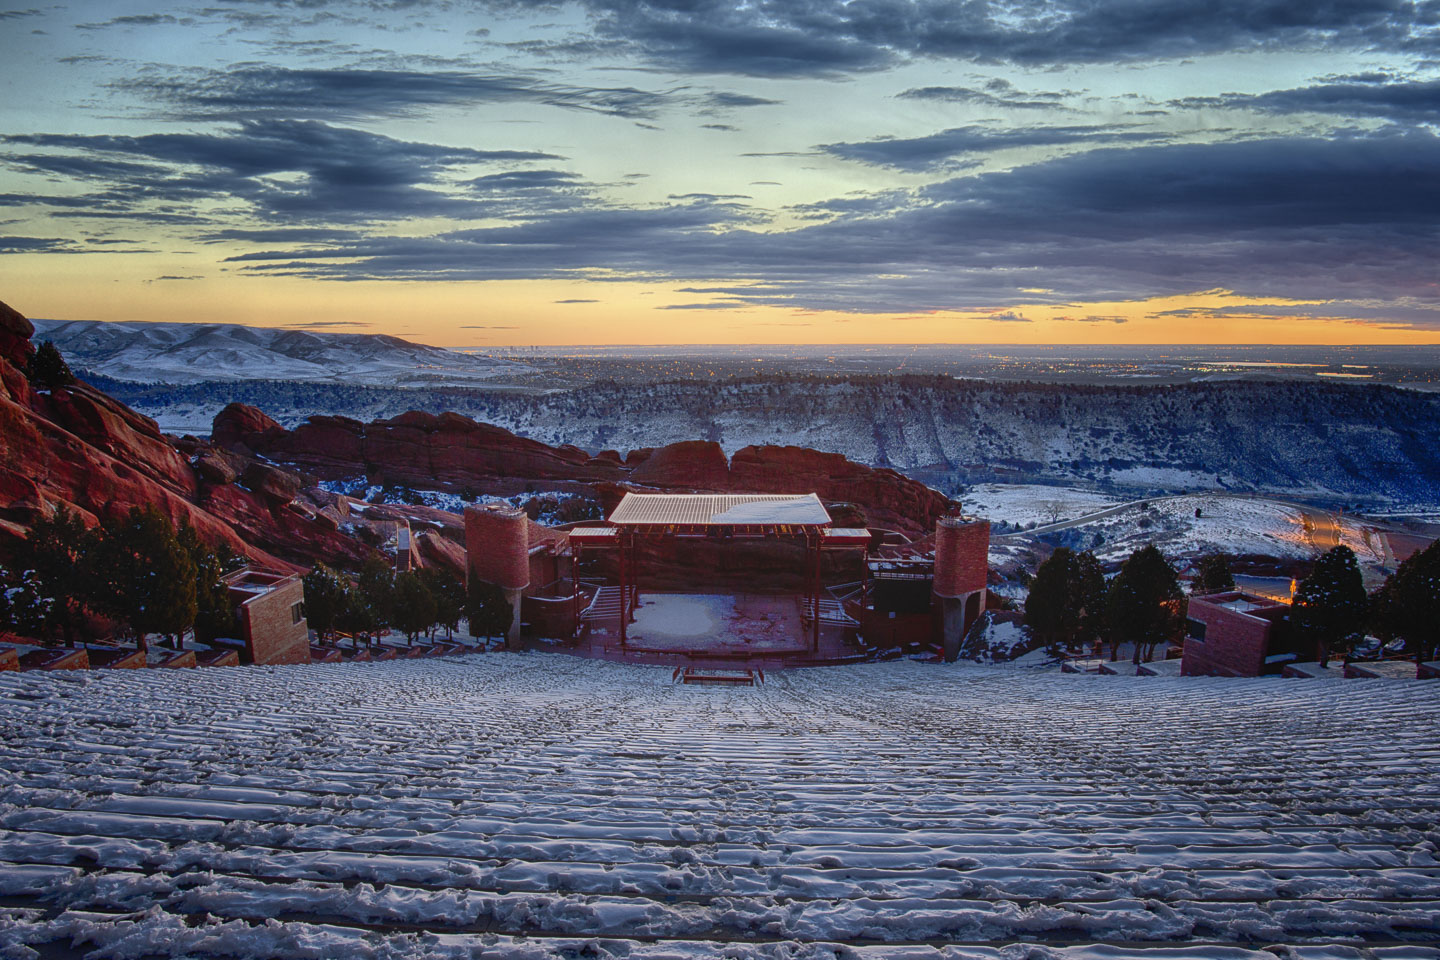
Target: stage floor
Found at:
718, 623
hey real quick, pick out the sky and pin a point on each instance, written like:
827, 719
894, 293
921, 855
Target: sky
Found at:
710, 171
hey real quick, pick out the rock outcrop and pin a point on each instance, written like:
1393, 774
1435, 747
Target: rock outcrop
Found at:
75, 447
453, 453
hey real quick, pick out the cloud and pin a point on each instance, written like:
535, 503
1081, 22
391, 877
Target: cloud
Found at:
133, 20
1294, 218
1372, 95
1009, 316
948, 146
577, 300
17, 14
37, 245
827, 38
283, 170
1094, 319
729, 305
996, 93
256, 91
728, 101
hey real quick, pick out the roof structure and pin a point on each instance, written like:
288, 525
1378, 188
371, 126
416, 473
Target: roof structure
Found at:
720, 509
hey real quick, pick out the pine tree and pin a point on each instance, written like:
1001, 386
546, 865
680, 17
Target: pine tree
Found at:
377, 588
55, 591
1144, 604
1330, 605
414, 605
1409, 605
488, 610
1089, 596
1213, 575
355, 615
214, 610
324, 599
1066, 602
47, 368
1050, 612
144, 575
449, 594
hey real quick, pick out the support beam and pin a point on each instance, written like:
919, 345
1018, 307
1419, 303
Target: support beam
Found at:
624, 589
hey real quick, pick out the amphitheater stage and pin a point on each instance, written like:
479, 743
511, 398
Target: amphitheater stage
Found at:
764, 630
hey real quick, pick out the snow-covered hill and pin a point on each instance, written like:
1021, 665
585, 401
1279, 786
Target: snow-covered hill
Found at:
193, 352
1337, 442
542, 806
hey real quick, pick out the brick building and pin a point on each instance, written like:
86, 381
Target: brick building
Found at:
270, 609
1237, 634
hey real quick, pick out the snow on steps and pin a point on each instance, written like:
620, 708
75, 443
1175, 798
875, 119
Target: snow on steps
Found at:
545, 806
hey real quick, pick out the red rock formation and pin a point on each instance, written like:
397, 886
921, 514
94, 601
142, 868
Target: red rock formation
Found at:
690, 464
454, 453
240, 424
74, 446
889, 499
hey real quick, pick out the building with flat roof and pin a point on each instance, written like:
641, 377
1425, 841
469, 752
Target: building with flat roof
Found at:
1237, 634
270, 615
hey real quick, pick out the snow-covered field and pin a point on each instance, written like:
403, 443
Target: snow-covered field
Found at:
1181, 526
543, 806
1026, 504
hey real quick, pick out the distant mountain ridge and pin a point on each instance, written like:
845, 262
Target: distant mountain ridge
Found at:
1331, 442
144, 352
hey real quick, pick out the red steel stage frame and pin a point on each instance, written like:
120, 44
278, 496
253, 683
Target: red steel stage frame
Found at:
715, 517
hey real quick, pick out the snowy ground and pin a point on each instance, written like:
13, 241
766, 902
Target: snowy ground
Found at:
541, 806
680, 621
1029, 504
1226, 524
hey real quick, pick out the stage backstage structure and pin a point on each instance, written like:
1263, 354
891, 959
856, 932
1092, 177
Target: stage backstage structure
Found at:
891, 596
927, 595
718, 519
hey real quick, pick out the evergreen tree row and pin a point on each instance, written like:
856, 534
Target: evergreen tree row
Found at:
413, 602
1071, 604
137, 571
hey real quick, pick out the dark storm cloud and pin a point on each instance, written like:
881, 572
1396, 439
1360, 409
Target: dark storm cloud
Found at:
924, 153
1373, 95
784, 38
262, 90
303, 170
995, 93
1297, 218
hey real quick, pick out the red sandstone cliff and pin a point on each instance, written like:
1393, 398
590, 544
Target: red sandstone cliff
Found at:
451, 452
74, 446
